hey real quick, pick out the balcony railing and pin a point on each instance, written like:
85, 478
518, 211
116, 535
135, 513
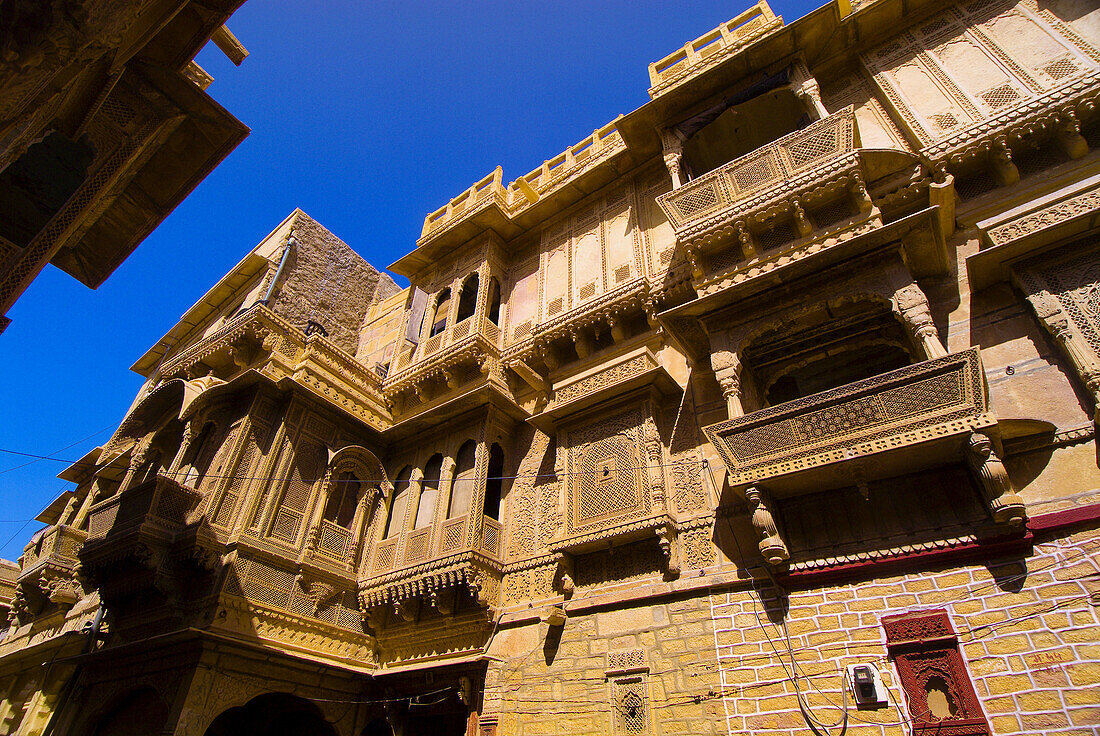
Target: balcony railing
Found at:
921, 403
420, 545
476, 331
750, 182
57, 548
160, 505
712, 47
334, 541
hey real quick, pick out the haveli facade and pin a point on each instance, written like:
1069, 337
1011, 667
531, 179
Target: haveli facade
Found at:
105, 126
769, 407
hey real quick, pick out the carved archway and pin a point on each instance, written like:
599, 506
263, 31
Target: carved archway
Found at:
272, 714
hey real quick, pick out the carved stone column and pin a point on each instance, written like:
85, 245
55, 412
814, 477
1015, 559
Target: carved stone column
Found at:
1049, 311
1004, 503
138, 458
771, 543
314, 534
359, 527
911, 306
810, 94
727, 369
1068, 135
1000, 159
673, 154
446, 481
185, 445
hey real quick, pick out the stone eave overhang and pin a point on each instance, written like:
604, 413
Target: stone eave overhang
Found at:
1026, 230
926, 248
203, 137
484, 393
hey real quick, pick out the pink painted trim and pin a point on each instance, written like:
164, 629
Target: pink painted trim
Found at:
922, 559
1058, 520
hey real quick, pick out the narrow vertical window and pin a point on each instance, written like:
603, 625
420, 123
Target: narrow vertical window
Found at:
494, 482
462, 489
400, 501
467, 299
429, 492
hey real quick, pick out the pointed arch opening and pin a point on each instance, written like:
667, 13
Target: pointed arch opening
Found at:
400, 501
462, 490
439, 315
493, 308
429, 492
467, 299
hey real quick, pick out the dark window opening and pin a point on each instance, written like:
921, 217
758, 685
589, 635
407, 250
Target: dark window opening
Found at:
837, 369
734, 133
494, 301
494, 483
442, 306
37, 185
400, 501
342, 501
467, 299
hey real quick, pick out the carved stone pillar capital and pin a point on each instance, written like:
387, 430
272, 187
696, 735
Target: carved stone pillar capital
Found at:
669, 542
911, 306
673, 155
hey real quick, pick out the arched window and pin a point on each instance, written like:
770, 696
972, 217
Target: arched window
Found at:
340, 509
494, 482
400, 501
493, 310
467, 298
462, 490
429, 492
442, 307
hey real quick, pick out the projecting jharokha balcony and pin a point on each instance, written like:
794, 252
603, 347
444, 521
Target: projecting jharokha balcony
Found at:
475, 338
746, 186
936, 404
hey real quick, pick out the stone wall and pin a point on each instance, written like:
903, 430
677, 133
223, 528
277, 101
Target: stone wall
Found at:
329, 283
1028, 632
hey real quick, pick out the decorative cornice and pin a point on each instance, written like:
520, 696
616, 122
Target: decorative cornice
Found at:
1082, 204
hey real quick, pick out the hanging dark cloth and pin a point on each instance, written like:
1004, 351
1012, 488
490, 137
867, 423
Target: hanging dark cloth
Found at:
694, 124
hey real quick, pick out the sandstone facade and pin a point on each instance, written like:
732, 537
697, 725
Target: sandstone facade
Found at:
769, 407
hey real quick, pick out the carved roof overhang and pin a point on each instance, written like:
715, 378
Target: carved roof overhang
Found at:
262, 341
633, 296
1064, 215
602, 378
1035, 116
916, 237
477, 572
894, 423
150, 412
194, 137
486, 393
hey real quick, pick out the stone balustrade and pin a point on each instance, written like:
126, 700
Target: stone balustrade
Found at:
717, 44
475, 337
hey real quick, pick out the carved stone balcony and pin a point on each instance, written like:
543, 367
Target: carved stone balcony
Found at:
894, 423
142, 541
475, 339
48, 565
711, 48
260, 340
749, 186
427, 563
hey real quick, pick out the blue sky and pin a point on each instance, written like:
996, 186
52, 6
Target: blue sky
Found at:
367, 116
